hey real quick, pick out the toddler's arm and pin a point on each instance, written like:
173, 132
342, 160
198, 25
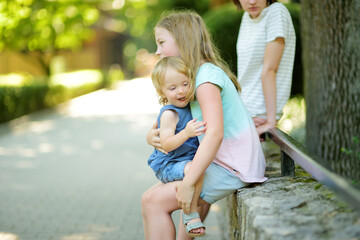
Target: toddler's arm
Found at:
169, 141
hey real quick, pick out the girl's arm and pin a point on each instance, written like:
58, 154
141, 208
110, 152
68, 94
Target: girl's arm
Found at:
272, 57
168, 140
153, 137
210, 102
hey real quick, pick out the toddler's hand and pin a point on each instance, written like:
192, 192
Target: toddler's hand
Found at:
194, 128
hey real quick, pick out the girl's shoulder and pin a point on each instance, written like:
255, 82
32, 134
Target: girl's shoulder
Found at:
209, 69
277, 7
209, 72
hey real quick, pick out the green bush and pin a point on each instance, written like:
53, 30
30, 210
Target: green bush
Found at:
16, 101
224, 23
21, 94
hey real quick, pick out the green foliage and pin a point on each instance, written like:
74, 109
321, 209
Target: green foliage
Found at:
16, 101
297, 84
27, 94
353, 151
135, 21
347, 151
224, 23
45, 26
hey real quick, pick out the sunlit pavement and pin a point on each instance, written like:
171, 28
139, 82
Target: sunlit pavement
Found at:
77, 172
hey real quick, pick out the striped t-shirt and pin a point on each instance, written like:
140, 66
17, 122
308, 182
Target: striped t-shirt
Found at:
274, 21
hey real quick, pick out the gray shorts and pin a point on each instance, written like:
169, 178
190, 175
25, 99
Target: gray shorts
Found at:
218, 183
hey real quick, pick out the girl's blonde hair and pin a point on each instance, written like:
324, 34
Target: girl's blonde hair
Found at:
194, 41
159, 73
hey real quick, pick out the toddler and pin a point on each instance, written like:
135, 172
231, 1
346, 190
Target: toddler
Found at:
178, 131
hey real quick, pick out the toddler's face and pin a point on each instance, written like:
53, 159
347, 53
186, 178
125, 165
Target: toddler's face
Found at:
176, 88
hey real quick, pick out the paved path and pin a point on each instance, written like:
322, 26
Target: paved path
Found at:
78, 172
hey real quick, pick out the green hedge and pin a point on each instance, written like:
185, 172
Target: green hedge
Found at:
31, 95
17, 101
224, 22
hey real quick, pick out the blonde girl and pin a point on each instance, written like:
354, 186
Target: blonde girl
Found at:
229, 155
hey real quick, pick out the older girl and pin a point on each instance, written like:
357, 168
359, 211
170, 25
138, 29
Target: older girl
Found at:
229, 155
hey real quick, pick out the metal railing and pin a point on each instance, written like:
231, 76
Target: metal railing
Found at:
292, 151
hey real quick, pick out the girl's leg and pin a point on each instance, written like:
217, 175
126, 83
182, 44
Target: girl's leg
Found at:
195, 200
194, 203
198, 187
157, 204
142, 208
203, 208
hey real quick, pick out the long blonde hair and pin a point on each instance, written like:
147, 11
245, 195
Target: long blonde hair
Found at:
159, 73
194, 41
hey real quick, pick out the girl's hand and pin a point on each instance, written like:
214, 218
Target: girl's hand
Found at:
263, 128
194, 128
184, 195
259, 121
153, 138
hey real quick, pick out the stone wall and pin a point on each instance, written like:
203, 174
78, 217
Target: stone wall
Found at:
288, 208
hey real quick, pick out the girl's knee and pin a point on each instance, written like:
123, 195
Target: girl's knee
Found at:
145, 202
146, 199
150, 200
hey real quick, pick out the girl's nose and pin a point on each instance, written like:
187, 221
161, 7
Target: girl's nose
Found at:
157, 53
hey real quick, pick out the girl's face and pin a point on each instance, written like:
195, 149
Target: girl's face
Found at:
165, 42
253, 7
175, 88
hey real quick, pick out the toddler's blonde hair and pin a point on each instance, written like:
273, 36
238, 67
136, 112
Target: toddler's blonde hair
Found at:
159, 73
194, 41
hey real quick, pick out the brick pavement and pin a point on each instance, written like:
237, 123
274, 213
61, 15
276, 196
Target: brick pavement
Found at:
77, 172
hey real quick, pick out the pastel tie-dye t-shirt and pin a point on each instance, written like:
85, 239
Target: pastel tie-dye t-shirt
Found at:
240, 151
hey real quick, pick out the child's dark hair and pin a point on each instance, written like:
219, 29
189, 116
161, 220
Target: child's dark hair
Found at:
238, 5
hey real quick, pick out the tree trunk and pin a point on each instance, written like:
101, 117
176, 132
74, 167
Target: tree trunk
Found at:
39, 60
331, 61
